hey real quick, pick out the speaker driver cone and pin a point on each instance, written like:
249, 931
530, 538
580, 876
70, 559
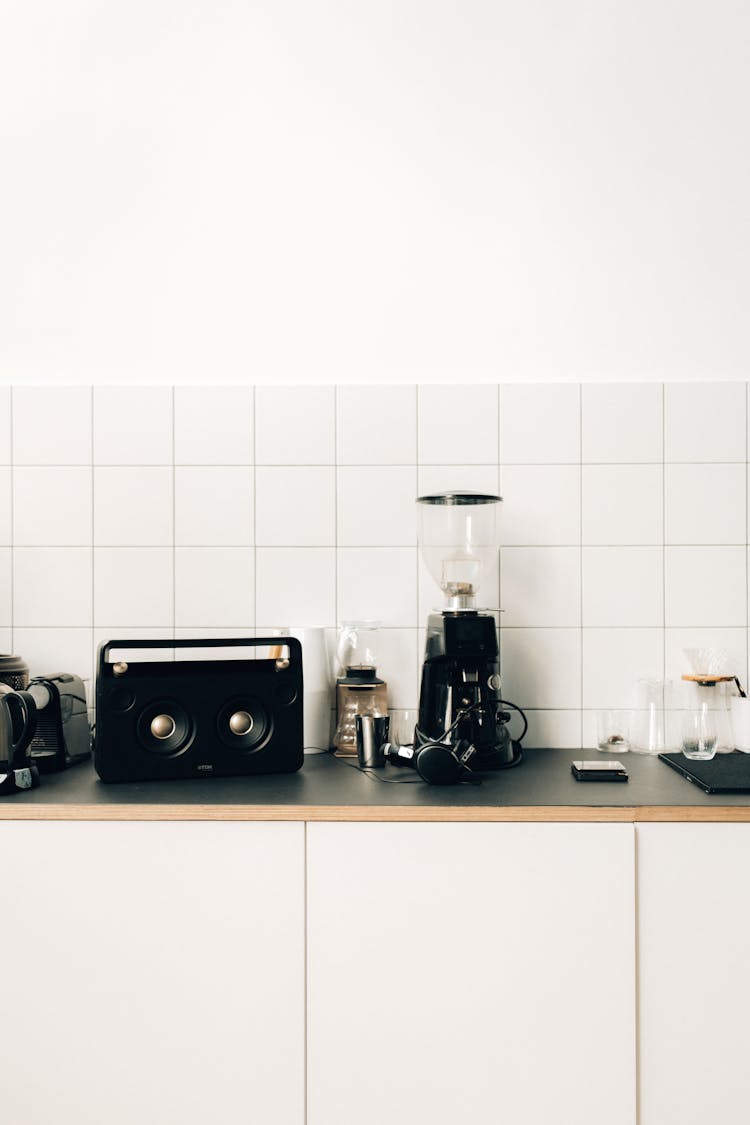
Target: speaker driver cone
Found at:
164, 727
244, 724
241, 722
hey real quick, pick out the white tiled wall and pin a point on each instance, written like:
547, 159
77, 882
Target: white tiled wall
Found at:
196, 510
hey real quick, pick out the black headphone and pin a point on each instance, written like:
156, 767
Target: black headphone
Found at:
437, 763
445, 763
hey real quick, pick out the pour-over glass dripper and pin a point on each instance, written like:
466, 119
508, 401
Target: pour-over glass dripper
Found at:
357, 650
458, 537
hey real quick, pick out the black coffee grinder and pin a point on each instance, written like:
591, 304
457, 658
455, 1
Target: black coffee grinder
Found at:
461, 697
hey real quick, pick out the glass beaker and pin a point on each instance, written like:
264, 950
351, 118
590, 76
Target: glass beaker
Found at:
654, 727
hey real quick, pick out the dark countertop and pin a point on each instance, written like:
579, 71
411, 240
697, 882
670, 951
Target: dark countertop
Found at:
541, 788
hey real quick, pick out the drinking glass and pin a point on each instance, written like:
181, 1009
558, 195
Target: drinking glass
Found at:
699, 734
402, 727
613, 731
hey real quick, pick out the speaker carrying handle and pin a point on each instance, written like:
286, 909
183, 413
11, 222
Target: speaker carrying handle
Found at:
292, 644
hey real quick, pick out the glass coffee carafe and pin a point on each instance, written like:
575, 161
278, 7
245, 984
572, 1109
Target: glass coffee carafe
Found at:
359, 690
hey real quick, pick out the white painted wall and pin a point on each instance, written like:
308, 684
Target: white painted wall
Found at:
242, 189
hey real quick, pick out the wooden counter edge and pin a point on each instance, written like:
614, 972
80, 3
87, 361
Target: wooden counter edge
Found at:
692, 814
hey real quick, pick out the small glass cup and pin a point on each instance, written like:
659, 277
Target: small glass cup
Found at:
699, 733
613, 731
402, 727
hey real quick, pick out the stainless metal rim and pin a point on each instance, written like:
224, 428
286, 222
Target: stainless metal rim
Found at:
457, 498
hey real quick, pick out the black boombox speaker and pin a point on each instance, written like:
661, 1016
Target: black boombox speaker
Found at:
181, 718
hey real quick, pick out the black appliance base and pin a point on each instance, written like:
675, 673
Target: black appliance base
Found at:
495, 760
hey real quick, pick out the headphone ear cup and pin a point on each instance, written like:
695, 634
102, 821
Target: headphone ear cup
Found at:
437, 764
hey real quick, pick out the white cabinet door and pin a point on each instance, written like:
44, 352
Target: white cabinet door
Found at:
694, 984
478, 973
153, 974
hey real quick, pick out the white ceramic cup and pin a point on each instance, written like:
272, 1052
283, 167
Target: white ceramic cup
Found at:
318, 696
741, 723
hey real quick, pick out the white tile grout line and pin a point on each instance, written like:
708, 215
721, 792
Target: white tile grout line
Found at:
370, 546
305, 1014
93, 552
364, 465
499, 412
415, 628
416, 670
12, 528
255, 509
498, 478
336, 507
664, 530
417, 407
174, 516
637, 979
580, 551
